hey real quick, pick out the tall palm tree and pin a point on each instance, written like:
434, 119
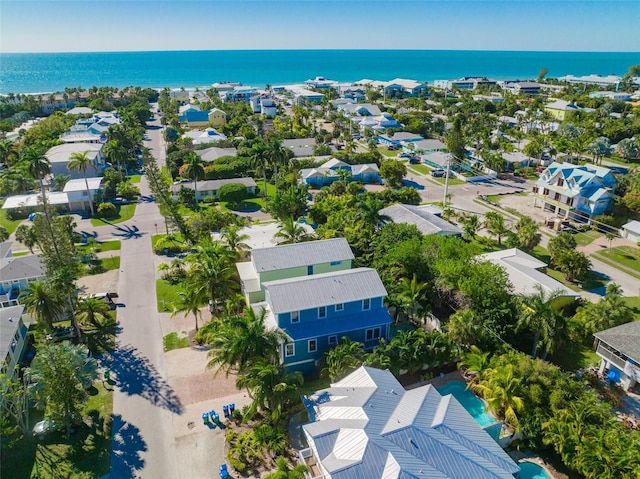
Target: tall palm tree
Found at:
259, 161
38, 167
81, 162
368, 211
494, 224
42, 302
539, 315
188, 302
194, 170
277, 154
502, 391
290, 231
116, 154
414, 294
239, 340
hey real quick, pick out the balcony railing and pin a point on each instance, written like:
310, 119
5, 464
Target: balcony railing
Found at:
306, 457
610, 356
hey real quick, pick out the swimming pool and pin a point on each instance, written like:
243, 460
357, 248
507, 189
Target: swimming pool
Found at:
469, 401
529, 470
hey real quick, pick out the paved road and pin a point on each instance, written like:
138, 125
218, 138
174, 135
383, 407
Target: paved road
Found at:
144, 404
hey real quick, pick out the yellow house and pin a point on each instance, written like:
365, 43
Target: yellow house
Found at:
217, 118
559, 109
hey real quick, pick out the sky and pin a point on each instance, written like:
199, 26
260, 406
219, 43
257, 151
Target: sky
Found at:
148, 25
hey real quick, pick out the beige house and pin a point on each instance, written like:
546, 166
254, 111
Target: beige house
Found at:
217, 118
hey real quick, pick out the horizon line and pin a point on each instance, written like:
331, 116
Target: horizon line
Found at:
316, 50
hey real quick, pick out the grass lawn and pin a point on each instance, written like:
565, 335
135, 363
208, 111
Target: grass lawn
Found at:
586, 237
135, 178
85, 455
173, 341
113, 245
110, 263
20, 253
497, 198
626, 258
592, 281
253, 204
452, 181
634, 303
388, 153
575, 356
124, 213
167, 294
9, 225
422, 169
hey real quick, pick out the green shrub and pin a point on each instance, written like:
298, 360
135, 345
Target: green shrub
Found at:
107, 210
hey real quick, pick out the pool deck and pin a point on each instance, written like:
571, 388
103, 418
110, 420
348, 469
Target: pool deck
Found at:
529, 456
439, 380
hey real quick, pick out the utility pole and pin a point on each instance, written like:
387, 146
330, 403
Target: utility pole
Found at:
446, 183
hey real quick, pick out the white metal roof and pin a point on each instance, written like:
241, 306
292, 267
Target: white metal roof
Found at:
307, 292
80, 185
33, 200
301, 254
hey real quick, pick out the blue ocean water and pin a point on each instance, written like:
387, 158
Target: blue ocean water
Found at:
46, 72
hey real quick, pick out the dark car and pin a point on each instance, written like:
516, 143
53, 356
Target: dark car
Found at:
62, 334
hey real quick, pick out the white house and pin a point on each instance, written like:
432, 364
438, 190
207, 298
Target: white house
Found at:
367, 426
209, 188
76, 190
59, 157
208, 135
631, 231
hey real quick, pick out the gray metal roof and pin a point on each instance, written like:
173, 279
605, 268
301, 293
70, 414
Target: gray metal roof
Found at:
301, 254
9, 322
20, 267
625, 338
426, 222
214, 185
307, 292
398, 433
5, 249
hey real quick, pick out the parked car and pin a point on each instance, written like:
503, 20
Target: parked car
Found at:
438, 173
405, 155
414, 160
47, 426
61, 334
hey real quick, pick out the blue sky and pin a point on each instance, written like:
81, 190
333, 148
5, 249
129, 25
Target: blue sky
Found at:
125, 25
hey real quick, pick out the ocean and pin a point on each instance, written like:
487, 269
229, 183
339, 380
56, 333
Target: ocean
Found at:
47, 72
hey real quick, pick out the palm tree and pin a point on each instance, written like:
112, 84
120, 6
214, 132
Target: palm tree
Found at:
475, 360
4, 234
42, 302
277, 154
81, 162
471, 226
188, 302
285, 472
238, 341
235, 240
494, 224
93, 311
343, 358
527, 231
502, 391
194, 170
539, 315
414, 294
116, 154
38, 167
369, 212
259, 160
291, 231
27, 236
273, 389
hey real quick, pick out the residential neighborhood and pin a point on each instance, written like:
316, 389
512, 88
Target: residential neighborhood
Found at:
379, 278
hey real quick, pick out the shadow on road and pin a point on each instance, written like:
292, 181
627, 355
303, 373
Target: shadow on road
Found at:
126, 448
128, 232
135, 375
412, 184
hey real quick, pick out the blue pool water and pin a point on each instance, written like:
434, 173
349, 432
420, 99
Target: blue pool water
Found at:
468, 400
529, 470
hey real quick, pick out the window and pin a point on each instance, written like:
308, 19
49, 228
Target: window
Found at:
310, 270
335, 263
295, 316
560, 182
339, 307
366, 304
289, 350
333, 340
322, 312
372, 334
312, 345
84, 193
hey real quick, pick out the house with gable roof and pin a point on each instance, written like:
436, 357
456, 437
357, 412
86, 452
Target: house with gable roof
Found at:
404, 87
60, 155
309, 291
559, 108
368, 426
577, 192
619, 350
13, 339
327, 173
15, 275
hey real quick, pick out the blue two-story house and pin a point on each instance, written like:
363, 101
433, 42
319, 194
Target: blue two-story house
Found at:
15, 275
316, 311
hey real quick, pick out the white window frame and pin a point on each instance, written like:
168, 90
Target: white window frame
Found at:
315, 343
339, 307
293, 350
295, 320
334, 338
373, 334
320, 309
366, 301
